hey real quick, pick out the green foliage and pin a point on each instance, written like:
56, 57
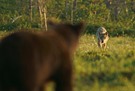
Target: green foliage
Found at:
118, 17
13, 24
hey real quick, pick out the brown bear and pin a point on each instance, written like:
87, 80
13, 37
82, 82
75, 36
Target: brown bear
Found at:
28, 60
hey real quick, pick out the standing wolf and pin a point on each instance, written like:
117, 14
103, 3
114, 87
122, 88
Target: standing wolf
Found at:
102, 37
28, 60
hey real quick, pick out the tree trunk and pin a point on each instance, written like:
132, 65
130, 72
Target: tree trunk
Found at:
74, 3
44, 18
42, 13
22, 7
30, 9
132, 5
66, 8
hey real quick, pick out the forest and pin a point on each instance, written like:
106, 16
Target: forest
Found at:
112, 69
118, 16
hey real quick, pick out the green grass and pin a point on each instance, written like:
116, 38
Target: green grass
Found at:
112, 69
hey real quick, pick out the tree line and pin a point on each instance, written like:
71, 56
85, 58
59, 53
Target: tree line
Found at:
116, 15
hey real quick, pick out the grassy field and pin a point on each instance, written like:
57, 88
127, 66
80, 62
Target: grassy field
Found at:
112, 69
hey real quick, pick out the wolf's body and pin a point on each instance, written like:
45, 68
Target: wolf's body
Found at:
102, 37
29, 60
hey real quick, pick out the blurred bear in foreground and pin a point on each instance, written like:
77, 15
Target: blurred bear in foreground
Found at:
28, 60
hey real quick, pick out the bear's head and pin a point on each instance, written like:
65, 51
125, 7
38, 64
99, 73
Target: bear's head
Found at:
69, 32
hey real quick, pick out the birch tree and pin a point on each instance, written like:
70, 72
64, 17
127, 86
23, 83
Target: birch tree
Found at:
42, 13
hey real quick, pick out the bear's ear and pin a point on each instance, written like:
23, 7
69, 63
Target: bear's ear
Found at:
78, 28
52, 25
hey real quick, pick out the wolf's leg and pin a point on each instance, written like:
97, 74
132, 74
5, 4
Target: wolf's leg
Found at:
104, 46
99, 44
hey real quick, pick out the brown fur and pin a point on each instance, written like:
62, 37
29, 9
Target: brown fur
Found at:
29, 60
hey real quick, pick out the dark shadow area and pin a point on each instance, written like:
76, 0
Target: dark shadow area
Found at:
113, 31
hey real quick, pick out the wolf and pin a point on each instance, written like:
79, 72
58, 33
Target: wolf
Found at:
29, 60
102, 37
